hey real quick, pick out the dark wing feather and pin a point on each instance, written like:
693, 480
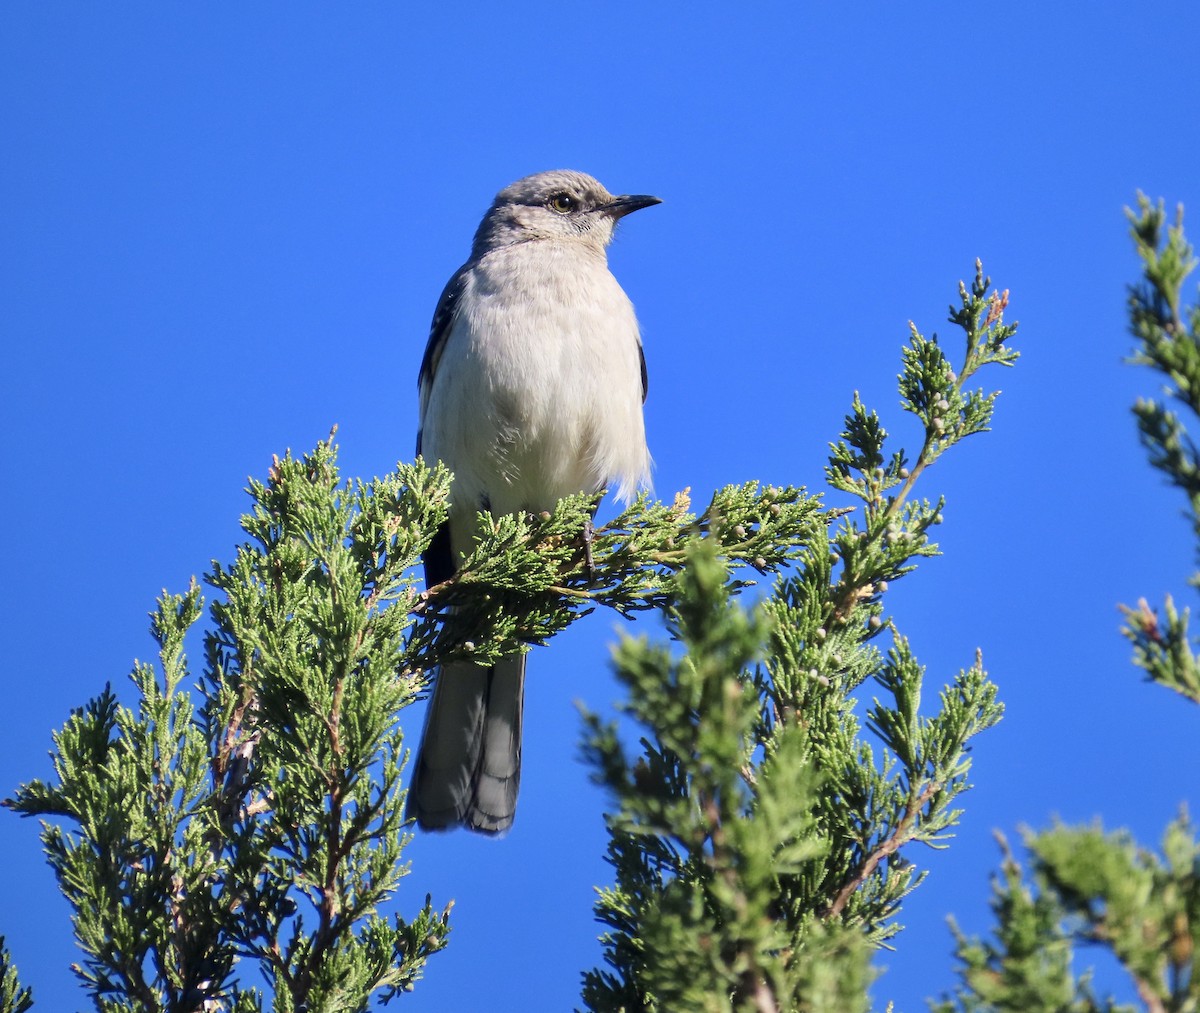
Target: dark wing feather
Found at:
439, 330
645, 378
439, 560
439, 557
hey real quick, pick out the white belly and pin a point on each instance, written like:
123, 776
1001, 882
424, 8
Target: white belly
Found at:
538, 392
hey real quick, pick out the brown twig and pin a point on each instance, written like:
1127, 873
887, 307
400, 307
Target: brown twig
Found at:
894, 842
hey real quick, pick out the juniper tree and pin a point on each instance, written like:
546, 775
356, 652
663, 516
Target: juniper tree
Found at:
1085, 885
252, 823
14, 998
761, 831
259, 817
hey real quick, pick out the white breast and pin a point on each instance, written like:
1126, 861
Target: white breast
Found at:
538, 392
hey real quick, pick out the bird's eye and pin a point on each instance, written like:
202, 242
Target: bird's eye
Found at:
563, 203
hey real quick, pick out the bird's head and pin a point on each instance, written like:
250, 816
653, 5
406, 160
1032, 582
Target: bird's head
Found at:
557, 205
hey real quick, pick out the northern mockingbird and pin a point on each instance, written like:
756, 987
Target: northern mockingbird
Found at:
531, 390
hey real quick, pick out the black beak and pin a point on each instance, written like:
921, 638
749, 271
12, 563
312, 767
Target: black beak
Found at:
619, 207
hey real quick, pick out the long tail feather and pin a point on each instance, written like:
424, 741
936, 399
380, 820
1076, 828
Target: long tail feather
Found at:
468, 766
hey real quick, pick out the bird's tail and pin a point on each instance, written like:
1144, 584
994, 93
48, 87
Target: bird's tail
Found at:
468, 767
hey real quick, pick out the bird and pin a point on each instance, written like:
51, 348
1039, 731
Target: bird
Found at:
532, 388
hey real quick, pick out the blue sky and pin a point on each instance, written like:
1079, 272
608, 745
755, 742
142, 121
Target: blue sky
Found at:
224, 229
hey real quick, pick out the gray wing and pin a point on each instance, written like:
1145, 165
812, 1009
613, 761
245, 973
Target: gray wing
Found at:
439, 331
439, 557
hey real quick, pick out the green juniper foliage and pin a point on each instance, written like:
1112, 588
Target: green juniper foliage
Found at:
1087, 886
1028, 966
758, 833
13, 998
1169, 342
264, 825
250, 828
267, 823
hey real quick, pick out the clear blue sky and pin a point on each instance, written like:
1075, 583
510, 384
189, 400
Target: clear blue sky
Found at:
223, 228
